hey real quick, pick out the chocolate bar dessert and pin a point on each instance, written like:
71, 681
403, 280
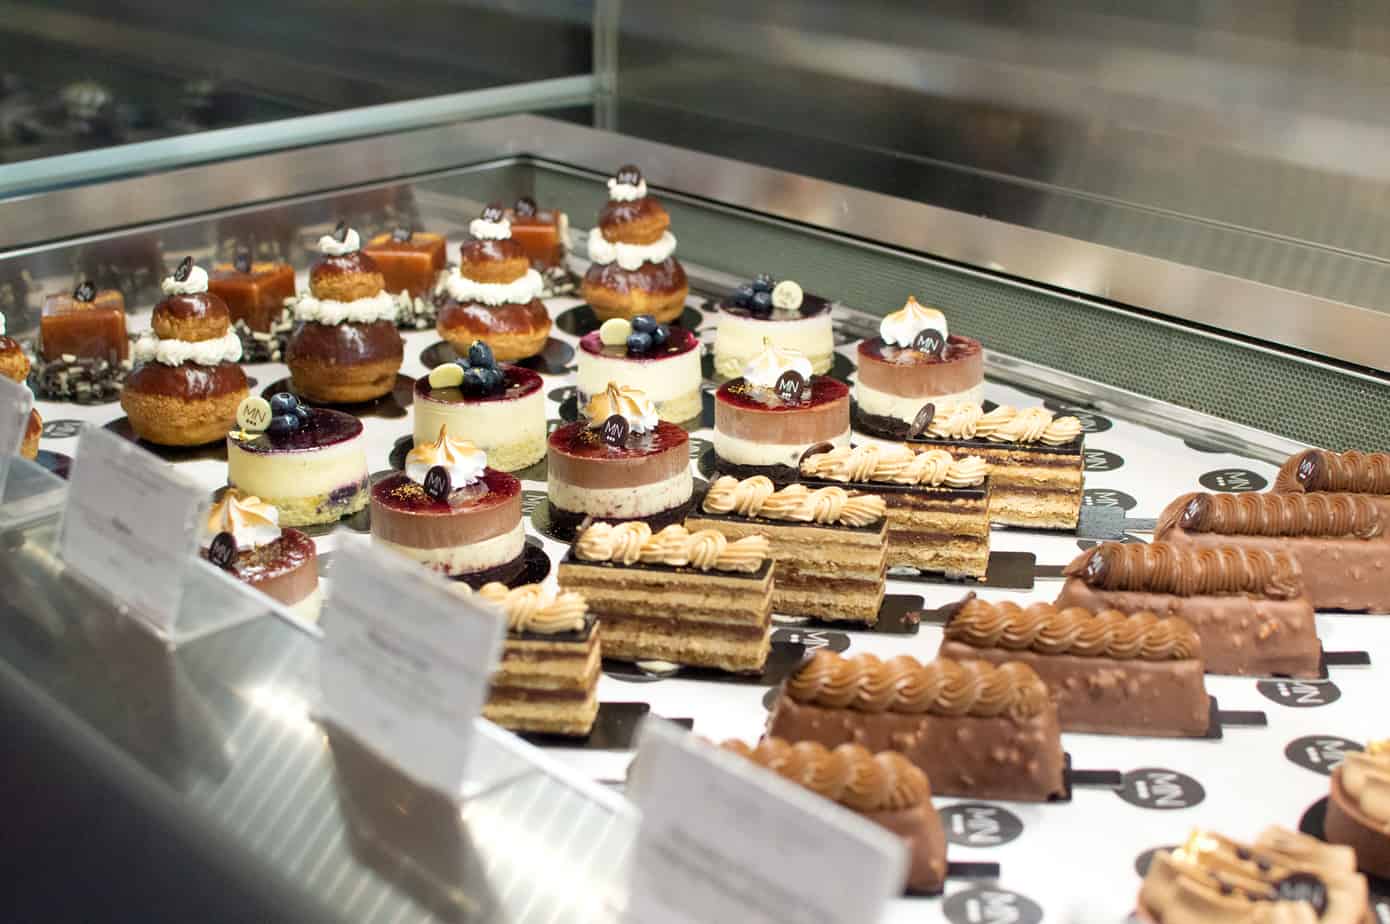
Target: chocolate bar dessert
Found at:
976, 729
1358, 807
1339, 540
1317, 470
1248, 606
830, 545
1111, 673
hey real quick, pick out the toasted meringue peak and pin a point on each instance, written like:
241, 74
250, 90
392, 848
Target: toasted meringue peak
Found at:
251, 521
902, 326
767, 367
632, 404
465, 462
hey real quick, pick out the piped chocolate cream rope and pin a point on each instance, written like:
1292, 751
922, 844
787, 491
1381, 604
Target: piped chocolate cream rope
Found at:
907, 686
1321, 515
756, 497
895, 465
1004, 424
1043, 628
633, 542
850, 775
1162, 568
1321, 470
534, 608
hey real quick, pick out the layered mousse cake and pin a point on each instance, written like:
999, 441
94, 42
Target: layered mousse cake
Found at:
688, 598
1110, 673
1315, 471
765, 420
1036, 459
255, 290
768, 311
186, 386
310, 464
345, 348
938, 505
89, 323
1358, 807
632, 264
410, 261
1339, 540
914, 361
500, 407
547, 680
1282, 877
14, 365
830, 546
543, 233
493, 295
1248, 606
662, 362
451, 513
975, 729
619, 463
886, 788
243, 536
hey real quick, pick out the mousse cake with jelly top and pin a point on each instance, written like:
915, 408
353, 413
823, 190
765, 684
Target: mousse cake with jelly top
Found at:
775, 312
243, 536
632, 264
661, 361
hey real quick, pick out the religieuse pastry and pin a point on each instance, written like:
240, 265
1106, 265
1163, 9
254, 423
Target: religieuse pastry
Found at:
186, 386
765, 420
662, 362
1111, 673
451, 513
500, 407
1248, 605
345, 348
493, 295
14, 365
976, 729
632, 267
242, 535
689, 598
309, 463
1358, 807
768, 311
619, 463
1315, 471
1339, 540
886, 788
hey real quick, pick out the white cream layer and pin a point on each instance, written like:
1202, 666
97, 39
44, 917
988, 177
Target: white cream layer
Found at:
630, 256
485, 424
746, 452
882, 404
308, 473
464, 559
519, 291
738, 339
171, 352
642, 501
379, 307
660, 379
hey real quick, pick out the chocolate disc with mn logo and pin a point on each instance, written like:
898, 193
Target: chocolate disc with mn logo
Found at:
85, 292
185, 269
990, 906
242, 261
1160, 788
400, 234
615, 430
979, 824
1300, 694
1233, 480
1320, 753
930, 342
222, 551
922, 421
438, 484
340, 232
790, 385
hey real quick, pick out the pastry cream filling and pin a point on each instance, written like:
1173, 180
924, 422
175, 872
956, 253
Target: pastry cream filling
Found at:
465, 559
640, 501
739, 339
517, 292
274, 476
882, 404
630, 256
746, 452
486, 424
378, 307
661, 379
170, 352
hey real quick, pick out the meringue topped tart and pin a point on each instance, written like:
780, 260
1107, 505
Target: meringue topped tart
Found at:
619, 463
765, 420
662, 362
243, 536
309, 463
778, 312
451, 513
915, 360
632, 265
500, 407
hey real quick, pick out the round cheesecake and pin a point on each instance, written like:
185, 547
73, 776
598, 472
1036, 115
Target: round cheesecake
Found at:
316, 473
509, 426
756, 432
475, 533
748, 319
669, 375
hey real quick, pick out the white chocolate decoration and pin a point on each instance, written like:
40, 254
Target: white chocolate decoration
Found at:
902, 326
465, 462
772, 363
787, 296
446, 375
251, 521
631, 404
331, 246
196, 282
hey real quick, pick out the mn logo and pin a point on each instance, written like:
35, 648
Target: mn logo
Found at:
1233, 480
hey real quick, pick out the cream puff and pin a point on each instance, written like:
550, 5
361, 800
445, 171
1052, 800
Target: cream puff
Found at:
632, 268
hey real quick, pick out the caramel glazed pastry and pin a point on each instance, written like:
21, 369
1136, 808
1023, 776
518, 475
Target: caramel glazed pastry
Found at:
1317, 470
493, 295
14, 365
186, 385
886, 788
632, 268
344, 348
1358, 808
1283, 878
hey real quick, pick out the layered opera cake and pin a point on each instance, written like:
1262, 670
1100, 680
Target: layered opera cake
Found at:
885, 788
1358, 807
777, 312
830, 545
499, 407
1316, 471
975, 729
1338, 540
691, 598
912, 362
410, 261
662, 362
547, 680
1110, 673
938, 505
1248, 606
242, 535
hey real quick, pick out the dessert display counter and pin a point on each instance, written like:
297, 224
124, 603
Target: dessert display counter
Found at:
216, 734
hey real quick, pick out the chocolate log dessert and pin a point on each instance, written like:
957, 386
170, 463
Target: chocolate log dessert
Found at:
1318, 470
1358, 808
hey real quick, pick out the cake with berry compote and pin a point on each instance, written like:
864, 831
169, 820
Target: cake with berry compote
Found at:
619, 463
493, 295
344, 349
912, 362
410, 261
661, 361
186, 385
1358, 807
451, 513
243, 536
309, 463
779, 313
14, 365
765, 420
255, 290
632, 268
498, 406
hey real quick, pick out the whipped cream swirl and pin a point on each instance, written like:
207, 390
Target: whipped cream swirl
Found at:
517, 292
251, 521
632, 404
626, 192
485, 230
902, 326
465, 462
630, 256
170, 352
379, 307
196, 282
767, 367
332, 247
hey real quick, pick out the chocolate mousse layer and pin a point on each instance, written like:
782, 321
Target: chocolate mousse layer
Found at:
286, 570
356, 262
909, 373
662, 278
579, 456
187, 381
758, 415
404, 514
345, 344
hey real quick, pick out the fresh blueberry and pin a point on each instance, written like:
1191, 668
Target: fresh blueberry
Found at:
283, 403
762, 303
475, 380
282, 424
764, 283
743, 296
496, 379
639, 342
462, 363
661, 335
303, 412
644, 324
480, 354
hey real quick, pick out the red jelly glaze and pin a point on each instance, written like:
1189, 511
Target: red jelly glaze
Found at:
289, 552
356, 262
187, 381
519, 383
681, 341
579, 440
740, 394
323, 428
398, 492
957, 348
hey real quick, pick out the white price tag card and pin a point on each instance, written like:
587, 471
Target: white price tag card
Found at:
722, 840
131, 525
406, 663
16, 402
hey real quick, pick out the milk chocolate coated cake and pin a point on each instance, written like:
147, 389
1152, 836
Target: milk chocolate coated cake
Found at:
1320, 470
1358, 808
